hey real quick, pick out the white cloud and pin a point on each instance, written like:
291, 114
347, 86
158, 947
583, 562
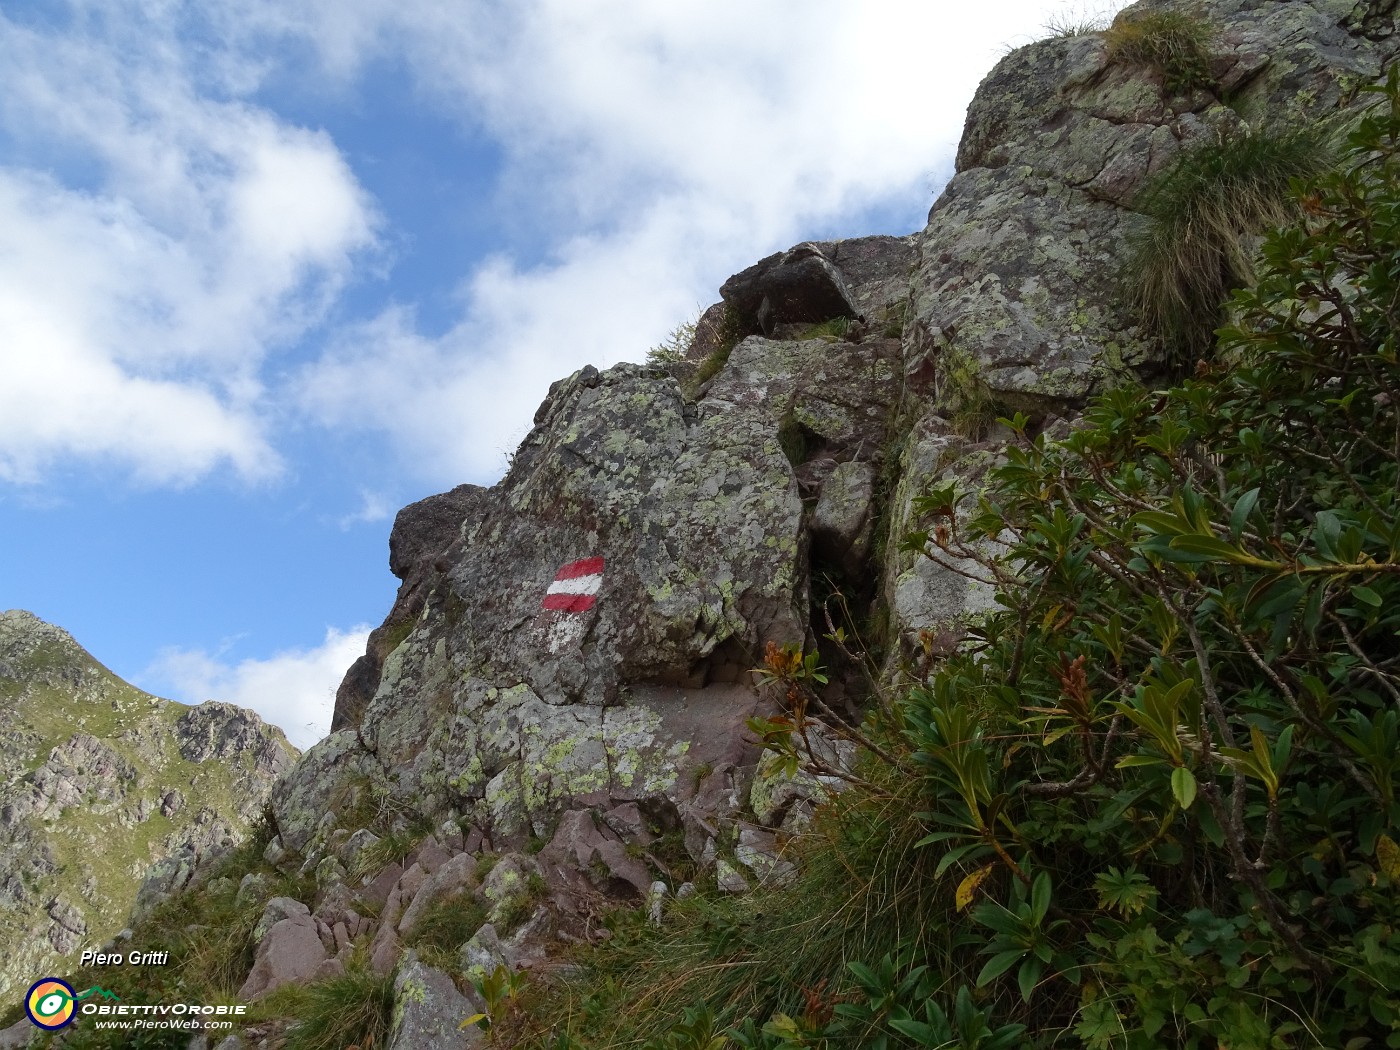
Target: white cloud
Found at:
667, 145
153, 302
293, 689
141, 298
374, 506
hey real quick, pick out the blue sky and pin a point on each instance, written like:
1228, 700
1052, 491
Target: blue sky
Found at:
269, 270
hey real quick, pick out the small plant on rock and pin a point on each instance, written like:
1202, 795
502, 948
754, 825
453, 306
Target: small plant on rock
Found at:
1205, 212
674, 347
1174, 44
351, 1010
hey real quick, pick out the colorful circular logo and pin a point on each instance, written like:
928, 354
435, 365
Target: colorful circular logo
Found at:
50, 1003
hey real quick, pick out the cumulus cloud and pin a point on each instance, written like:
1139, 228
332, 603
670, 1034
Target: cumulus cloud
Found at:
293, 689
374, 506
157, 292
156, 246
667, 145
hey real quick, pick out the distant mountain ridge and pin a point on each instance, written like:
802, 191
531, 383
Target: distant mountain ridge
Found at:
99, 781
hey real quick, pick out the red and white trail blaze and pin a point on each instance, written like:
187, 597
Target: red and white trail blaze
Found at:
573, 592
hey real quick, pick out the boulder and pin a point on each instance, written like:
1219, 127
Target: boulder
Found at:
799, 285
875, 271
18, 1035
841, 520
425, 529
429, 1010
384, 949
274, 911
290, 951
758, 851
728, 879
486, 950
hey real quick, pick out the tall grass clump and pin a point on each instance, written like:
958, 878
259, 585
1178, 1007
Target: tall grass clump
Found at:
352, 1010
1205, 213
1175, 45
864, 891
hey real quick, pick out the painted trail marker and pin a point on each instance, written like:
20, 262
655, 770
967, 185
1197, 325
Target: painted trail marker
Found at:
573, 592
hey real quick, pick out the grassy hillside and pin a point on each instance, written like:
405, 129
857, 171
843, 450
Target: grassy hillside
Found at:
98, 781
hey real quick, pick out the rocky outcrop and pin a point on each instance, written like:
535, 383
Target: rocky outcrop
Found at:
553, 714
429, 1010
566, 663
1019, 283
108, 795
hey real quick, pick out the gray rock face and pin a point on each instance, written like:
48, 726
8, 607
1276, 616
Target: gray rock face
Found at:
558, 696
421, 534
1019, 283
216, 730
425, 529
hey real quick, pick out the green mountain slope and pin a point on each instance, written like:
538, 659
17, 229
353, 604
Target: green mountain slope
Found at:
98, 782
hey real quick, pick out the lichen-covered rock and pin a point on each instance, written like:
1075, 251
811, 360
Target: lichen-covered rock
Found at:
429, 1010
566, 660
932, 603
422, 532
875, 271
1019, 286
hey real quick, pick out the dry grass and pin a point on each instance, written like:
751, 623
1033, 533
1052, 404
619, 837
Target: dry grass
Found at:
1205, 212
1175, 45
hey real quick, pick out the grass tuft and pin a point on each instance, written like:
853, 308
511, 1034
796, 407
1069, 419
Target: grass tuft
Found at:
832, 330
392, 847
352, 1010
864, 890
1079, 21
1205, 211
1174, 44
444, 927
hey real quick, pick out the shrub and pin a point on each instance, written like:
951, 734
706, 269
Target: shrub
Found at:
674, 347
1204, 214
1170, 766
1173, 44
